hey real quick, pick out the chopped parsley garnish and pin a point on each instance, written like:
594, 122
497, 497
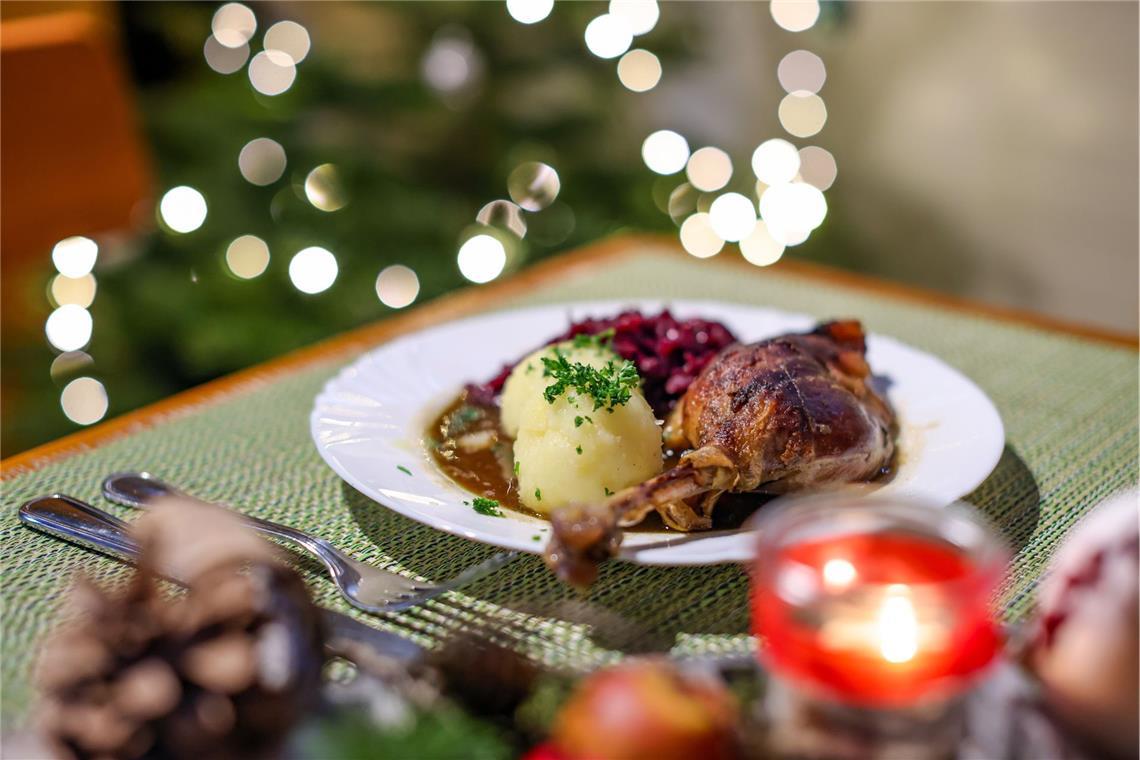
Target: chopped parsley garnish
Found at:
403, 469
516, 468
579, 449
578, 421
538, 494
608, 491
485, 506
536, 538
609, 387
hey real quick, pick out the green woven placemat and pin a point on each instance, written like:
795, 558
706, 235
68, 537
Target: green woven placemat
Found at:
1069, 405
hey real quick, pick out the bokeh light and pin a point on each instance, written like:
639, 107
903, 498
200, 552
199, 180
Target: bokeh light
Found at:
262, 161
272, 72
760, 248
802, 113
451, 64
709, 169
639, 70
233, 25
608, 36
639, 16
817, 167
732, 217
68, 328
504, 215
801, 70
183, 209
682, 202
324, 190
795, 15
665, 152
79, 291
529, 11
397, 286
533, 185
84, 400
313, 270
222, 59
247, 256
290, 38
775, 161
482, 258
70, 363
699, 238
792, 211
74, 256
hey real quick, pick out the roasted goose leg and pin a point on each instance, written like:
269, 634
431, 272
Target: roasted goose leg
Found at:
784, 414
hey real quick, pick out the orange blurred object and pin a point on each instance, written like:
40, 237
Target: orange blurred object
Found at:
646, 709
72, 161
70, 150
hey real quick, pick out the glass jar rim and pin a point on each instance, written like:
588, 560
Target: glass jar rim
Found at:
850, 512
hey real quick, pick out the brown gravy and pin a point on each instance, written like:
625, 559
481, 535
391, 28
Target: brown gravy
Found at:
468, 446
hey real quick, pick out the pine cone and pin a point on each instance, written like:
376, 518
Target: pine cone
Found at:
224, 671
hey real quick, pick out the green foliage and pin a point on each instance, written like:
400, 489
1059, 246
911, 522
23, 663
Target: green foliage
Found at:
416, 166
443, 732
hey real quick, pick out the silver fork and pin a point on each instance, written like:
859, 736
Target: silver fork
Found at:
365, 587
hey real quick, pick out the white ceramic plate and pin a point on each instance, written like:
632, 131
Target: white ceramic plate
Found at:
369, 421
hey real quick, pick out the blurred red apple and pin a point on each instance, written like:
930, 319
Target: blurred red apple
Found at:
647, 709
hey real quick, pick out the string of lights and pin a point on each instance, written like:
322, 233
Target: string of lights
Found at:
788, 203
780, 209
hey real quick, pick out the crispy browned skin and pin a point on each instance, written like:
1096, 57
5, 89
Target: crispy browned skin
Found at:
784, 414
792, 411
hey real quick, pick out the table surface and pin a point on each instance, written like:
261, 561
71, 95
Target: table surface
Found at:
1067, 395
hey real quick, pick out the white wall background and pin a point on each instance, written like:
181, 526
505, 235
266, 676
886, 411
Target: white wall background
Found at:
985, 148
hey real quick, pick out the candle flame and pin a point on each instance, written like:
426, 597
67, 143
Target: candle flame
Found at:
838, 574
897, 626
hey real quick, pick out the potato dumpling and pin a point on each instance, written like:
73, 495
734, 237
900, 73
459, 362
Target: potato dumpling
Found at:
568, 452
526, 380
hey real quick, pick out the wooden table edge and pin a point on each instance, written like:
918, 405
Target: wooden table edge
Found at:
472, 300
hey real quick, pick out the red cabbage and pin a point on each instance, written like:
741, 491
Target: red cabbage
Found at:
669, 353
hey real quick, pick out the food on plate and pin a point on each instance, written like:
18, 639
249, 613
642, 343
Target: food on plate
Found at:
783, 414
668, 352
575, 430
584, 430
529, 378
472, 439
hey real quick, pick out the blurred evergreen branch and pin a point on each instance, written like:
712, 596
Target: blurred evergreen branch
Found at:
416, 165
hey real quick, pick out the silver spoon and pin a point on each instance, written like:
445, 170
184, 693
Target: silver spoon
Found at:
369, 588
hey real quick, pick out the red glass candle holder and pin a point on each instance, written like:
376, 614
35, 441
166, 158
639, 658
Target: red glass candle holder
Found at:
875, 601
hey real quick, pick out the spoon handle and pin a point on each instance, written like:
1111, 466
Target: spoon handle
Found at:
80, 523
